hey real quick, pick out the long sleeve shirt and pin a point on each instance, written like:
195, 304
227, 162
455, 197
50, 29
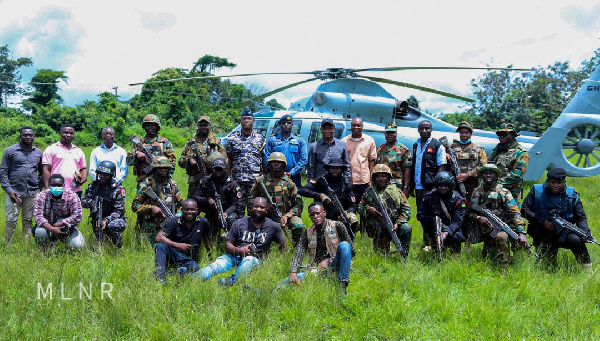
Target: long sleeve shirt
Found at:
67, 207
20, 170
115, 154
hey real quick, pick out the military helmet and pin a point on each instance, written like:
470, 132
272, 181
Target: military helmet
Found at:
489, 167
277, 156
151, 118
444, 178
161, 162
382, 168
107, 167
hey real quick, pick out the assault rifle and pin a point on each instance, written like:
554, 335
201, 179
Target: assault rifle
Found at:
163, 205
149, 157
97, 208
461, 186
385, 220
439, 237
563, 226
498, 225
274, 209
200, 163
338, 206
219, 204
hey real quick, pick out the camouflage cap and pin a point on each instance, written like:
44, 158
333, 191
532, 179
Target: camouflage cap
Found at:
508, 127
391, 127
161, 162
465, 124
489, 167
203, 118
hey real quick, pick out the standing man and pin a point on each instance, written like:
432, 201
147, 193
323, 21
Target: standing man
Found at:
511, 159
157, 145
555, 198
199, 153
396, 156
496, 198
327, 147
283, 193
20, 172
248, 241
245, 154
429, 159
469, 156
178, 241
291, 145
111, 194
109, 151
362, 153
150, 216
57, 211
397, 207
66, 159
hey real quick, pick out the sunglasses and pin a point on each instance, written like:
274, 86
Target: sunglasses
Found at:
502, 134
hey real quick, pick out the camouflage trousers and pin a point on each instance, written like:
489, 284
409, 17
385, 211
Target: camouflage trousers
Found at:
382, 238
497, 249
517, 194
112, 233
296, 225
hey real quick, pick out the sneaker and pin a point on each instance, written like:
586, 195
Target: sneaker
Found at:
344, 285
227, 281
182, 271
587, 268
162, 281
427, 248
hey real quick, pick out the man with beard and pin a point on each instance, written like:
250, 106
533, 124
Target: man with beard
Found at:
231, 200
494, 197
107, 190
20, 177
283, 193
57, 211
291, 145
66, 159
317, 190
555, 198
396, 156
109, 151
199, 153
397, 207
177, 242
429, 159
248, 241
326, 148
157, 145
450, 206
362, 154
511, 159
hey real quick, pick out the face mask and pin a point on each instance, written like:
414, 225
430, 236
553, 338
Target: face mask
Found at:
466, 142
56, 191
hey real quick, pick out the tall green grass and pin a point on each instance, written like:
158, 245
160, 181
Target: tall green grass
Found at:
463, 297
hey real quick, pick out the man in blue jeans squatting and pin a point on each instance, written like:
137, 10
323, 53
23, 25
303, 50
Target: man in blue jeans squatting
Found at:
248, 241
178, 241
328, 245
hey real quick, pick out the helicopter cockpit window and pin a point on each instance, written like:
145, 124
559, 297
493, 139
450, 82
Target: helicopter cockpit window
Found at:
315, 131
261, 126
296, 125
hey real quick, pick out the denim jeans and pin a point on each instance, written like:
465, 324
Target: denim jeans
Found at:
226, 262
165, 255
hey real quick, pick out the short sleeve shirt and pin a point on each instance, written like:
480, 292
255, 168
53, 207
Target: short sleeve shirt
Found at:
243, 233
64, 161
178, 232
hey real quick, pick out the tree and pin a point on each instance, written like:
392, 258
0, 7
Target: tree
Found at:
9, 74
45, 85
274, 104
413, 101
208, 63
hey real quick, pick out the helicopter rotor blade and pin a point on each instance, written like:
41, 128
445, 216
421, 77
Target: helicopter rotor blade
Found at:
225, 76
267, 94
418, 87
403, 68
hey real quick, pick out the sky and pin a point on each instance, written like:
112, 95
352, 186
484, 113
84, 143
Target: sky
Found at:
102, 45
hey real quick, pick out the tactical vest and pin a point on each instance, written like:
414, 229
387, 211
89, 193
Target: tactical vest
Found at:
332, 240
109, 197
429, 166
546, 203
467, 158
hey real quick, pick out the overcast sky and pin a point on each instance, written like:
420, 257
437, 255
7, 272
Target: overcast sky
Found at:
110, 43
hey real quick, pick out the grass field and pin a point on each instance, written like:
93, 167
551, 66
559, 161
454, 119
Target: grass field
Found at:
464, 297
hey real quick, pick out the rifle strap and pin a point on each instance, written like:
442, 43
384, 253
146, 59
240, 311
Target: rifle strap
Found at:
445, 209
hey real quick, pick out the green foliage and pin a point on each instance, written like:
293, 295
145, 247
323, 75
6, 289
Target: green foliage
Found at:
9, 73
413, 101
274, 104
45, 85
208, 63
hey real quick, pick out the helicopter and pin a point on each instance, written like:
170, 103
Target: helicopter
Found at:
572, 142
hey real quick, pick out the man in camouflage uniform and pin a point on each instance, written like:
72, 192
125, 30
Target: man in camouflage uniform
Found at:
150, 217
316, 189
511, 159
493, 196
231, 200
245, 154
158, 146
199, 153
397, 207
396, 156
284, 194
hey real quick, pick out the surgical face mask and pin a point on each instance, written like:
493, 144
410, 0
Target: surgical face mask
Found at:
466, 142
56, 191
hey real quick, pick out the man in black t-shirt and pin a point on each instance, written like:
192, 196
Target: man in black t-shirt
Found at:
178, 240
248, 240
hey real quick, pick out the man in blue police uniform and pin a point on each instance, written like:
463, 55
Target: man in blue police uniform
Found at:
291, 145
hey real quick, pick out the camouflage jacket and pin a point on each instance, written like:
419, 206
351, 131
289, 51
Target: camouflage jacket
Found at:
398, 158
512, 159
283, 192
166, 192
501, 203
159, 146
469, 157
397, 205
246, 153
209, 150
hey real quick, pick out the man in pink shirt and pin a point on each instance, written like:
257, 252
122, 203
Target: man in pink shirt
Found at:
65, 159
362, 153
